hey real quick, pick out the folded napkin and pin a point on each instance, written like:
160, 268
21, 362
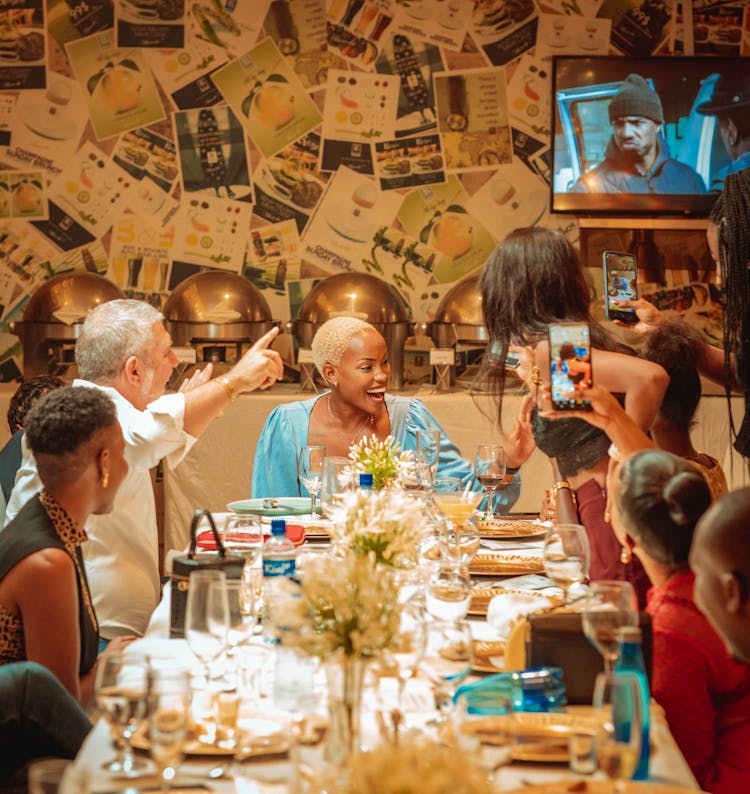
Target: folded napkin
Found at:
295, 532
505, 608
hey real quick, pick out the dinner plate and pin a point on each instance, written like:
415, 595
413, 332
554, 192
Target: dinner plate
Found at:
599, 787
543, 737
501, 564
512, 528
287, 506
481, 597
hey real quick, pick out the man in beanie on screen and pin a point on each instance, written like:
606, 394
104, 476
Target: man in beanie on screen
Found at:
637, 159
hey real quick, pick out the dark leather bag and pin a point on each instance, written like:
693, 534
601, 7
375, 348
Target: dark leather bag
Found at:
182, 567
557, 640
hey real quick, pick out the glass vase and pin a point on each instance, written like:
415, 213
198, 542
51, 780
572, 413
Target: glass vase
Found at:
345, 678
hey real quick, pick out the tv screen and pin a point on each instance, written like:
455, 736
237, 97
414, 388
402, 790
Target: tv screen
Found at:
652, 151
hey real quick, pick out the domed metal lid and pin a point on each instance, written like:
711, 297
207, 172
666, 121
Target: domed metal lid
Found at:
355, 294
216, 296
462, 304
69, 297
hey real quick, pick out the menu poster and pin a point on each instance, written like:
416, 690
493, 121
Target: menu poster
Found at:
212, 232
526, 147
355, 30
184, 74
10, 353
229, 28
268, 98
140, 255
23, 45
352, 154
68, 20
150, 23
341, 234
273, 256
505, 30
289, 186
25, 256
7, 107
565, 35
91, 258
580, 8
440, 22
212, 153
63, 229
23, 195
297, 291
120, 91
47, 126
529, 92
717, 27
638, 26
436, 216
414, 62
472, 114
408, 162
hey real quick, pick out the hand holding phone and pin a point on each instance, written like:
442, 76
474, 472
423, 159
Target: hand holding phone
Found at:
570, 366
620, 283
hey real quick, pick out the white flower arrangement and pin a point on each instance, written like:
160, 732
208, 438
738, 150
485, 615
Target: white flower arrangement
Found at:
382, 459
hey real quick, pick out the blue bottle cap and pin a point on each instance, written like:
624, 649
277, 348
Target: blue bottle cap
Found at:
278, 526
365, 479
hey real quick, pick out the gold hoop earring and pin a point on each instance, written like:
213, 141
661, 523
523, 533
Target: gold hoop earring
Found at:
105, 479
625, 555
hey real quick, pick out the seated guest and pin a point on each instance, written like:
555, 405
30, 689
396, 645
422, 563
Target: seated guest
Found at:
352, 357
705, 694
720, 559
40, 719
46, 609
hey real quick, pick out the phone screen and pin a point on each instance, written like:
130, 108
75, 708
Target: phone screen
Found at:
620, 283
570, 365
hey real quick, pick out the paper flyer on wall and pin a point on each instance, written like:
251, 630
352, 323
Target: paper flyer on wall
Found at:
150, 23
23, 45
443, 23
718, 27
26, 255
140, 255
409, 162
355, 30
90, 259
120, 91
62, 229
340, 235
212, 153
68, 20
23, 195
529, 94
436, 215
472, 111
47, 126
229, 28
7, 110
638, 26
268, 98
185, 75
10, 353
567, 35
273, 256
504, 30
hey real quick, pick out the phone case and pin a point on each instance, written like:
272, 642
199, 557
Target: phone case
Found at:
625, 315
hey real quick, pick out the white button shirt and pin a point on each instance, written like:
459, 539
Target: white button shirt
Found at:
122, 552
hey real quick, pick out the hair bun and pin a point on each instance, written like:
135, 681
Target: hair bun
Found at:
687, 497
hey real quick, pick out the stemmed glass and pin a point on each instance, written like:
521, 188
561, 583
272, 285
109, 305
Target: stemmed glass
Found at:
243, 536
207, 617
447, 660
448, 592
566, 555
334, 484
608, 607
120, 692
310, 472
617, 706
485, 729
415, 477
455, 504
169, 711
489, 468
427, 449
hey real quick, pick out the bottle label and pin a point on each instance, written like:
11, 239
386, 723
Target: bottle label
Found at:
278, 567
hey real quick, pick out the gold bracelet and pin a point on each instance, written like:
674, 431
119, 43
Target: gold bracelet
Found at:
230, 390
562, 485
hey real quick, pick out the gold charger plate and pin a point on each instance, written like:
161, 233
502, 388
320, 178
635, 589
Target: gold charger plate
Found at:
543, 737
502, 528
502, 564
481, 597
484, 652
599, 787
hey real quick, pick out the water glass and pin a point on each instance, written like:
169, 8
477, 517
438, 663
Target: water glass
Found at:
242, 617
566, 555
335, 482
448, 658
310, 472
448, 592
427, 449
243, 536
609, 606
169, 717
207, 617
484, 729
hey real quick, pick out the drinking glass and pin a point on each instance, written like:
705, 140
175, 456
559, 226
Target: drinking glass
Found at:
617, 706
484, 729
415, 476
427, 449
608, 607
206, 615
454, 503
120, 692
407, 645
448, 592
241, 618
447, 660
169, 712
243, 536
566, 555
489, 469
335, 482
310, 472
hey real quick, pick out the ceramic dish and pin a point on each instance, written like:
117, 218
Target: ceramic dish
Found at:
599, 787
283, 506
481, 597
504, 564
493, 528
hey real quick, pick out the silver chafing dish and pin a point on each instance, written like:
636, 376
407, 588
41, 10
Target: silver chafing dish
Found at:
219, 314
52, 321
364, 296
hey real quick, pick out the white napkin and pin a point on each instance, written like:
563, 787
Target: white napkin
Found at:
505, 608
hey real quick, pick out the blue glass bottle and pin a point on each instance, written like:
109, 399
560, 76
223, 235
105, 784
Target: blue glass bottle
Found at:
631, 661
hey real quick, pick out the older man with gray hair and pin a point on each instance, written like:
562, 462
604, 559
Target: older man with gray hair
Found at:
125, 350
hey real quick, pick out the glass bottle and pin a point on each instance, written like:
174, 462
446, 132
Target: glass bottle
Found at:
631, 661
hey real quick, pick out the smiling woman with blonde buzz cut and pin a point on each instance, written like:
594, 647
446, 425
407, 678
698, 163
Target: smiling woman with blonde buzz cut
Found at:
352, 357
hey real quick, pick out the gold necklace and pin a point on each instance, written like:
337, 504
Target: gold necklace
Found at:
368, 420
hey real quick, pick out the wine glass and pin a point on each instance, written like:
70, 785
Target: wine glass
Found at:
243, 536
415, 477
241, 617
120, 691
484, 728
335, 482
169, 712
609, 606
617, 707
206, 617
448, 592
448, 658
427, 448
566, 555
460, 539
489, 469
310, 472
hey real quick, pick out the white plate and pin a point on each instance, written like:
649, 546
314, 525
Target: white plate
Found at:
287, 506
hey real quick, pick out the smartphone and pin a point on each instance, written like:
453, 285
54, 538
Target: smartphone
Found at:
570, 365
620, 283
512, 361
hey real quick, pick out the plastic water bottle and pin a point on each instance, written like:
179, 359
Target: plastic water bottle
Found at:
631, 661
279, 560
365, 481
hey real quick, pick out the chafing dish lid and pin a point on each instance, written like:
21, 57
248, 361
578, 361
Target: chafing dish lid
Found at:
67, 298
216, 296
462, 304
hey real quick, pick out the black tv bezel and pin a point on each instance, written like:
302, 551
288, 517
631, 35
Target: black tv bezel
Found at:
672, 205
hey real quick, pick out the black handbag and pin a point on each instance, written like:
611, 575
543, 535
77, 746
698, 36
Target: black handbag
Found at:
182, 567
556, 639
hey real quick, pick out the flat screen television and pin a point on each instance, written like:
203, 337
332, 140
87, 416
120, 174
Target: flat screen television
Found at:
583, 88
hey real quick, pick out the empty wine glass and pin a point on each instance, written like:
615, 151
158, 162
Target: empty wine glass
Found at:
243, 536
484, 728
206, 615
241, 613
489, 469
120, 691
310, 472
169, 712
617, 708
566, 555
609, 606
335, 482
448, 592
427, 448
447, 660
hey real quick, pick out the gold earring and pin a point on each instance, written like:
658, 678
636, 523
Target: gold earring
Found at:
625, 555
105, 479
607, 517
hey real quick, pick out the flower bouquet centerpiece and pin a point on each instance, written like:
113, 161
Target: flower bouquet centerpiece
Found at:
383, 459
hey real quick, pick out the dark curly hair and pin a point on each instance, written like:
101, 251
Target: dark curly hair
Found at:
660, 498
27, 393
